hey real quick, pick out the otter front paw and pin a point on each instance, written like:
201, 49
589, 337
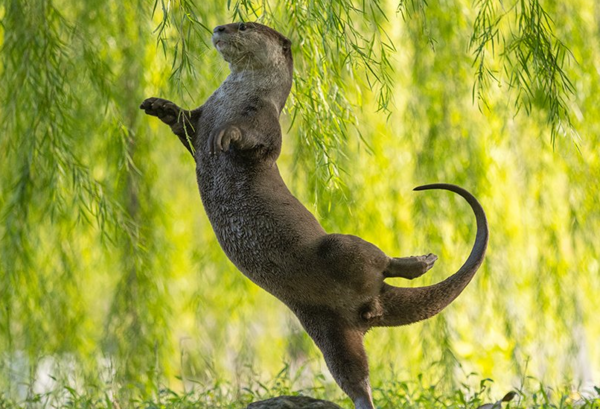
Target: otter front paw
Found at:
221, 139
165, 110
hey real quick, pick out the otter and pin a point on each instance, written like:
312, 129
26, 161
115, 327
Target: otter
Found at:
334, 283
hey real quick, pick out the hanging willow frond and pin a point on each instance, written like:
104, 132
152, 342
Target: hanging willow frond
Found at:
531, 59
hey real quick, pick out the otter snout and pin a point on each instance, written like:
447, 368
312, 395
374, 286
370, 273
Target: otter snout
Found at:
219, 37
223, 35
219, 32
230, 28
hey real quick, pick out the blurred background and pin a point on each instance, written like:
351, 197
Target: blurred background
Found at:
110, 274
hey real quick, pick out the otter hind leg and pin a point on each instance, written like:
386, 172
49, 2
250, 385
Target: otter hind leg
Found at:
344, 353
409, 267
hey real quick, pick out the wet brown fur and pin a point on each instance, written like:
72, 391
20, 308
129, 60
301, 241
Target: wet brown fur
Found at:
334, 283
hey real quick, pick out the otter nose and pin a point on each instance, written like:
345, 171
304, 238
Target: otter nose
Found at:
219, 29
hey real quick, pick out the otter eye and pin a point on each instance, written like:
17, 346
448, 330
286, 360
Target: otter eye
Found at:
242, 27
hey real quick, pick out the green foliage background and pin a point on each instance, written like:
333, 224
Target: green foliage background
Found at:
109, 270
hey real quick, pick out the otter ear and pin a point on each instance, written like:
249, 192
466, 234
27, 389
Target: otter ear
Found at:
286, 43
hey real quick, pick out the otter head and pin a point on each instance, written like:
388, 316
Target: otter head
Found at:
251, 46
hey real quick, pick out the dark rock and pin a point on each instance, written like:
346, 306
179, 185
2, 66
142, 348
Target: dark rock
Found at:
293, 402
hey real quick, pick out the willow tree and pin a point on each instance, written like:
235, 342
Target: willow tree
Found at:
110, 272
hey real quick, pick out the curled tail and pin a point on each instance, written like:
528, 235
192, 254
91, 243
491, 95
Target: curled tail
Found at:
402, 306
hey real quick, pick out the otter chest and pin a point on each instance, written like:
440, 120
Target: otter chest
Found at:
235, 100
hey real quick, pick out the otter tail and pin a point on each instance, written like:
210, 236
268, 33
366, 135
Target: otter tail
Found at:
402, 306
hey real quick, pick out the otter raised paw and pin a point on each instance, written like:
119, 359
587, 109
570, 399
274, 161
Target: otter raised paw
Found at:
164, 109
181, 121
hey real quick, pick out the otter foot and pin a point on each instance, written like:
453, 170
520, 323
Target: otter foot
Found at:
164, 109
410, 267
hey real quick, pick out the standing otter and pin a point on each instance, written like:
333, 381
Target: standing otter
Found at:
334, 283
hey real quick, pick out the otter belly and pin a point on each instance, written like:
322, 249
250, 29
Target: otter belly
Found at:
263, 229
250, 233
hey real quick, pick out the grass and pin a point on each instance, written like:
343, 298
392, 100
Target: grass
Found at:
412, 394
